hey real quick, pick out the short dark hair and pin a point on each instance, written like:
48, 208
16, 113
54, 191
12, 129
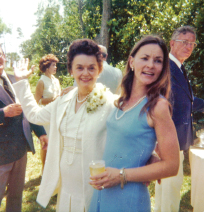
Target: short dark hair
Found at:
183, 30
46, 61
84, 46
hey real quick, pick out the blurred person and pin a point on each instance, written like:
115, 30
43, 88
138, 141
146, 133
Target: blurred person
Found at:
111, 77
15, 141
47, 89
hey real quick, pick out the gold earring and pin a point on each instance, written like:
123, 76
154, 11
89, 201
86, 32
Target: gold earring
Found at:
132, 69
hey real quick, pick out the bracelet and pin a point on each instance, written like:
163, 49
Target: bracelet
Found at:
123, 180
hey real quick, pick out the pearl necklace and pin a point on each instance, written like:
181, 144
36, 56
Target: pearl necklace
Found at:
75, 138
80, 101
124, 112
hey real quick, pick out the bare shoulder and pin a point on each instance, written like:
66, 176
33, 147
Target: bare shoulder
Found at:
161, 109
160, 112
39, 88
40, 84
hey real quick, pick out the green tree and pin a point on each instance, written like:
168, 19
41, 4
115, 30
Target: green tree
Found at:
47, 37
3, 28
12, 57
54, 32
129, 20
20, 33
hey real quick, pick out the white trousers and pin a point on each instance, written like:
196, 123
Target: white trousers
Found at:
167, 194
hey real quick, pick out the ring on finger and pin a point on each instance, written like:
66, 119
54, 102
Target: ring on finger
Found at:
102, 187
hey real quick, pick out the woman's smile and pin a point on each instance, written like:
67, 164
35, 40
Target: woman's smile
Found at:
148, 73
85, 71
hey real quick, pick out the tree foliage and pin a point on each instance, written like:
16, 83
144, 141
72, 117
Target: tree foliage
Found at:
3, 28
12, 57
128, 22
54, 32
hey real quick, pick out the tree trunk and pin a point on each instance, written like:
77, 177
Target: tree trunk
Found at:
104, 33
80, 9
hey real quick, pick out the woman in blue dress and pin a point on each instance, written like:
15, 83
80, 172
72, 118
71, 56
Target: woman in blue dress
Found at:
142, 116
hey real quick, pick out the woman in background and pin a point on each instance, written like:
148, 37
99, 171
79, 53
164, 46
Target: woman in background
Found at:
47, 89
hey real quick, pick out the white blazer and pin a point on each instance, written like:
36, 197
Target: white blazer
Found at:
93, 137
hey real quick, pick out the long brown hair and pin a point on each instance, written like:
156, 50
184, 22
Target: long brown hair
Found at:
160, 87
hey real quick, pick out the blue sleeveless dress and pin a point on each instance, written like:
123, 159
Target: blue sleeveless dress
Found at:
130, 142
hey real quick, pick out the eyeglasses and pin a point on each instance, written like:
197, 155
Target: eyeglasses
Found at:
185, 43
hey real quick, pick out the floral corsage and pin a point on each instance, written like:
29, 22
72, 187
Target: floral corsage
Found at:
97, 98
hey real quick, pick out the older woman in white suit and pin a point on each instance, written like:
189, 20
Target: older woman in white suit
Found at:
77, 129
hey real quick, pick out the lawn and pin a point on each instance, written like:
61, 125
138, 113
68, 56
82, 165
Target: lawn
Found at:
33, 178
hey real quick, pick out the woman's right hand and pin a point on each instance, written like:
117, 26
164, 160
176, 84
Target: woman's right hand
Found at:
21, 71
67, 90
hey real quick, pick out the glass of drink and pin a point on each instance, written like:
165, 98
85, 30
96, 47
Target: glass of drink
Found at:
97, 167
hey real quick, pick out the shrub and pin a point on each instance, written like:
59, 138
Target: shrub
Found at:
66, 80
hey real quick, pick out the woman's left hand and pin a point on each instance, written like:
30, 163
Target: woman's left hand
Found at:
107, 179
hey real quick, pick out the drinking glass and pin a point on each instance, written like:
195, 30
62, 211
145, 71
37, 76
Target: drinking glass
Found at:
97, 167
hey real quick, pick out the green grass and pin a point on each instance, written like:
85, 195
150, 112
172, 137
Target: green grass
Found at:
33, 178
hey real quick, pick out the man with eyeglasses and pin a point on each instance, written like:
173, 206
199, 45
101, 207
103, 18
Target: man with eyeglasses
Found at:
182, 44
15, 141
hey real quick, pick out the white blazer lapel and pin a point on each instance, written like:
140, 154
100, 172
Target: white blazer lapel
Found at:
63, 104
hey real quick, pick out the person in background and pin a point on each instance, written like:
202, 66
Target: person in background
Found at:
47, 89
15, 141
111, 77
77, 129
182, 44
141, 117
